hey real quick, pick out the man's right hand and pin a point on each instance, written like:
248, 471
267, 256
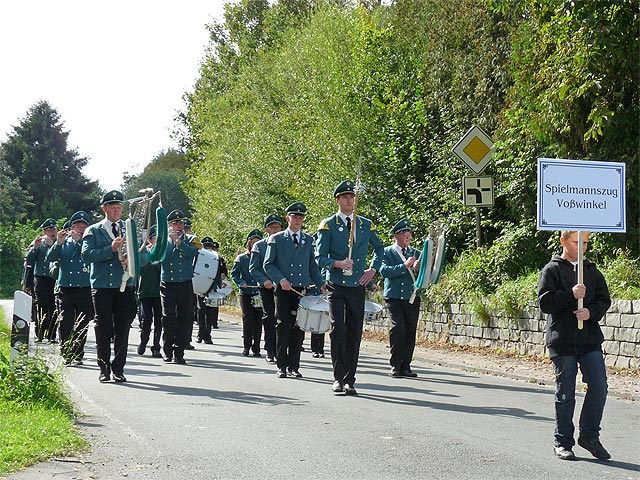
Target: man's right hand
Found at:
284, 284
116, 244
268, 284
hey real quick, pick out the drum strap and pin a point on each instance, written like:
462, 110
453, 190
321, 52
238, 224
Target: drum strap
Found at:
413, 277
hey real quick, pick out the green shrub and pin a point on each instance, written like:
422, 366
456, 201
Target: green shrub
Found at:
29, 380
622, 273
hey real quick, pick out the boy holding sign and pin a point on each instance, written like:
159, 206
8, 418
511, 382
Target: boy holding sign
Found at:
559, 295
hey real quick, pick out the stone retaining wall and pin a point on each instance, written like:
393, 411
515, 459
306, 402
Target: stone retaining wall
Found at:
524, 335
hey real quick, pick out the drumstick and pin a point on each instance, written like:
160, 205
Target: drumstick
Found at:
299, 293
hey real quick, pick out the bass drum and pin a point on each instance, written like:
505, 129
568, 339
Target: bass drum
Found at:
313, 314
205, 269
226, 288
372, 311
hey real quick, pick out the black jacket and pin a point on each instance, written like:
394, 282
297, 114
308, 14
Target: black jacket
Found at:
556, 300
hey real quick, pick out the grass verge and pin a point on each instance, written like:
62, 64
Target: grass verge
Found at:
36, 416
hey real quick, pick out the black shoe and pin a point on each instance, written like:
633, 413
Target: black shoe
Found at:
180, 361
141, 348
104, 377
294, 374
408, 373
349, 390
198, 340
245, 352
209, 342
281, 374
395, 373
256, 354
322, 355
167, 359
119, 378
188, 346
54, 341
270, 359
155, 354
337, 387
77, 362
315, 355
595, 448
564, 453
215, 327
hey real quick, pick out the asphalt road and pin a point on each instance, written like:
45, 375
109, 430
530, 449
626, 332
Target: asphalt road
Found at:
227, 416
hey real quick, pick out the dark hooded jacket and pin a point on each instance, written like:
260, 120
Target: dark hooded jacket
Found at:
556, 299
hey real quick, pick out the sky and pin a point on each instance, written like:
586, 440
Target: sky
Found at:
115, 72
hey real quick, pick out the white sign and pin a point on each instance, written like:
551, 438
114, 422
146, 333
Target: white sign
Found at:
581, 195
477, 191
475, 149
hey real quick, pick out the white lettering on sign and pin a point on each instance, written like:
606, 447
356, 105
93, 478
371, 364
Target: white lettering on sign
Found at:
581, 195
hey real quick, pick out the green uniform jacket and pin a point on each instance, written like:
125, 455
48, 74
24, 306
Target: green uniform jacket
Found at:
72, 271
398, 282
36, 257
297, 264
333, 244
177, 265
241, 276
106, 270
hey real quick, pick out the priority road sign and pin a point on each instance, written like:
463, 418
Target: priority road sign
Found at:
475, 149
478, 191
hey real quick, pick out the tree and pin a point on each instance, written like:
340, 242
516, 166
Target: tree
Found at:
46, 169
14, 202
166, 173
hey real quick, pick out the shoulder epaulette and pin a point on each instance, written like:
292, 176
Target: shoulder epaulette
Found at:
323, 225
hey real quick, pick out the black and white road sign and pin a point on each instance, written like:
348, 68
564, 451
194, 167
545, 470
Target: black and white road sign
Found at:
477, 191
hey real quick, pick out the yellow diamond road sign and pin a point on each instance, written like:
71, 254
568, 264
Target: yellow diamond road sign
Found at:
475, 149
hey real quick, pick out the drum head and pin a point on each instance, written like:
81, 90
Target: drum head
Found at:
315, 303
372, 307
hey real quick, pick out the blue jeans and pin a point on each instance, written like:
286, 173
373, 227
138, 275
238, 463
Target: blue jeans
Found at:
595, 376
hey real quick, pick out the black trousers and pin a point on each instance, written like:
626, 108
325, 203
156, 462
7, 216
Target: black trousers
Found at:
45, 307
346, 306
76, 311
269, 320
317, 343
402, 334
177, 314
115, 310
251, 324
205, 319
151, 316
288, 336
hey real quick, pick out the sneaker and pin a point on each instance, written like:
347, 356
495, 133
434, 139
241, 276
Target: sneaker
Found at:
281, 374
315, 355
594, 447
270, 359
294, 374
337, 387
564, 453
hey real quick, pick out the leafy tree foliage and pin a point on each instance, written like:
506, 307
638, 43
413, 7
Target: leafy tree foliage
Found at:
165, 173
284, 110
14, 202
37, 154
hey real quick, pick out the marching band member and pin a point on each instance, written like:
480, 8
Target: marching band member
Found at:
272, 225
347, 290
289, 262
399, 264
176, 288
149, 297
76, 305
194, 306
223, 271
205, 312
251, 315
43, 282
114, 310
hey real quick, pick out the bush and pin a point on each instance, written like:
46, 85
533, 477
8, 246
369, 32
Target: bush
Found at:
622, 273
29, 379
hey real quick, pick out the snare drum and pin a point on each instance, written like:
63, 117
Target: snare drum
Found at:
372, 311
256, 301
313, 314
214, 299
226, 288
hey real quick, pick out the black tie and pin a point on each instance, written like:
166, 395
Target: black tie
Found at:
114, 229
295, 239
348, 224
404, 252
